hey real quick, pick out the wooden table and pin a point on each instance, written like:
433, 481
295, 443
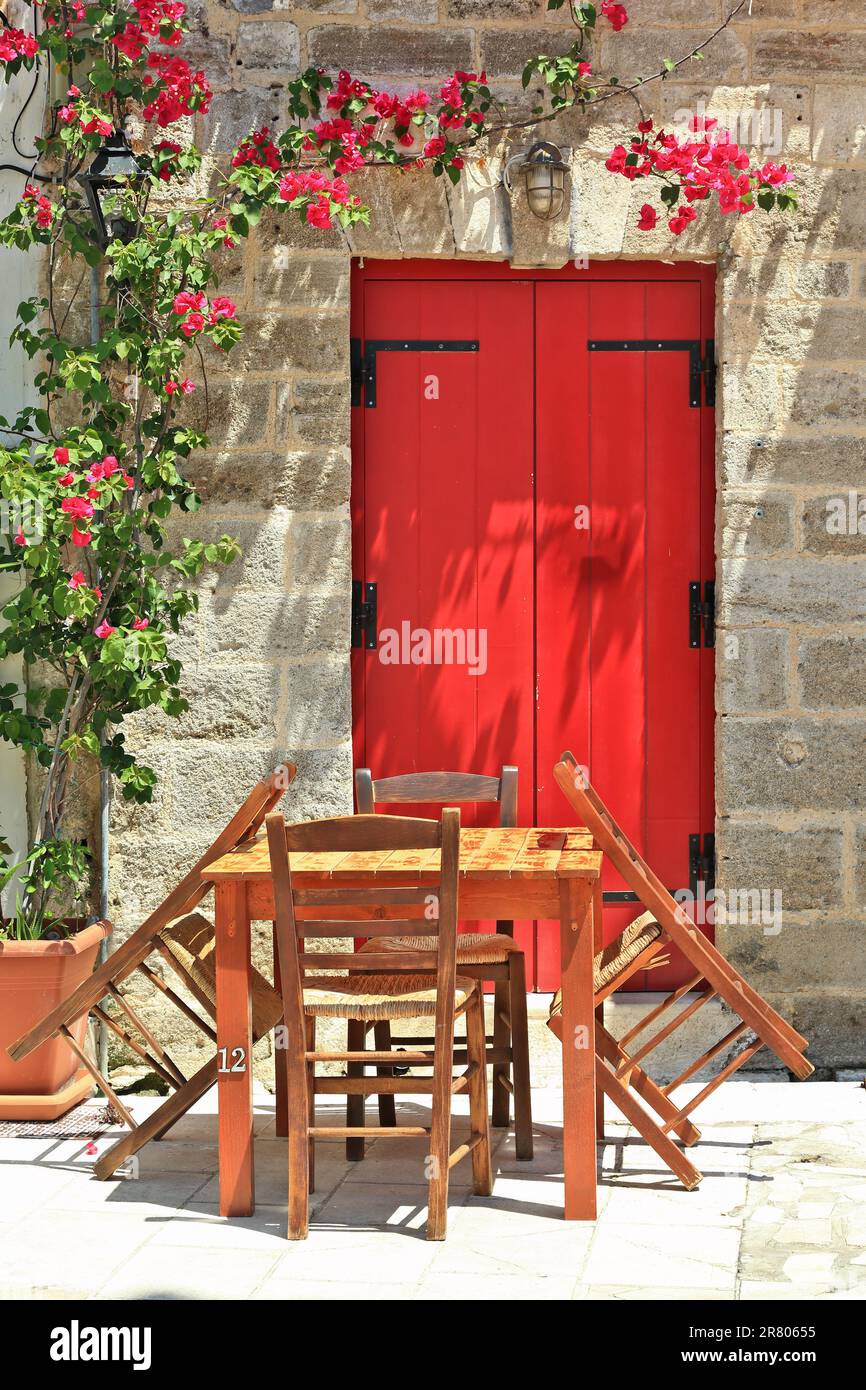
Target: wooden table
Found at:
504, 874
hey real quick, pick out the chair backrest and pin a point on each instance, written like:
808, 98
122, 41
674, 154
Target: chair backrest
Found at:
186, 895
438, 788
332, 910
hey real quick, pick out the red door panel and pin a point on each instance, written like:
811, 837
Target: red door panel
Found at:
447, 535
561, 500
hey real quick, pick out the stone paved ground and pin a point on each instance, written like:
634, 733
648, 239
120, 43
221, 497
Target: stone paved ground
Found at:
781, 1213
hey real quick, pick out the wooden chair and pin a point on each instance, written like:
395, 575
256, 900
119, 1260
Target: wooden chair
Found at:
493, 957
376, 987
619, 1072
185, 940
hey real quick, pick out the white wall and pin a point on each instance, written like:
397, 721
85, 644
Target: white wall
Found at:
19, 279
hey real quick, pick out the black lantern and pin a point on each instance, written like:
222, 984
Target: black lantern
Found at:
543, 170
113, 167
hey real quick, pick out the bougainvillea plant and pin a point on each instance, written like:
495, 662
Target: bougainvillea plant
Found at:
92, 474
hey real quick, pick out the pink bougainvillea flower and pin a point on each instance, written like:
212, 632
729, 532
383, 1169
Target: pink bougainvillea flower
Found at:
648, 218
189, 299
95, 472
220, 222
775, 174
193, 323
109, 466
66, 480
130, 482
584, 69
76, 506
80, 538
187, 386
93, 494
98, 593
140, 624
91, 1150
171, 387
61, 456
19, 537
222, 308
434, 147
617, 14
77, 580
319, 214
105, 629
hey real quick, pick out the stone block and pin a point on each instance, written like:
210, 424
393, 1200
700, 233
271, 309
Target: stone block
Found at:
264, 542
803, 864
791, 333
480, 211
234, 412
839, 124
815, 592
403, 11
313, 412
832, 1020
504, 51
752, 278
377, 49
788, 764
599, 210
321, 553
819, 457
209, 780
267, 627
860, 864
752, 670
832, 672
801, 956
835, 51
823, 279
281, 343
640, 52
824, 395
834, 524
749, 396
233, 115
283, 279
319, 704
270, 45
757, 526
230, 704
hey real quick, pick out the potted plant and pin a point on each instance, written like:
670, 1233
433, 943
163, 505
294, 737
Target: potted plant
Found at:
44, 956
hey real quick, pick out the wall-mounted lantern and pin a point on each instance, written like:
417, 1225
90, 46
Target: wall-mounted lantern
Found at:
113, 166
543, 170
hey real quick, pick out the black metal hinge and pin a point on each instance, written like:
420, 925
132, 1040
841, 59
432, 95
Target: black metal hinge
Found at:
702, 863
364, 615
702, 613
363, 361
700, 368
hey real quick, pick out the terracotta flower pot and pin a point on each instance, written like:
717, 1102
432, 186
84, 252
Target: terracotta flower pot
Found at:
35, 976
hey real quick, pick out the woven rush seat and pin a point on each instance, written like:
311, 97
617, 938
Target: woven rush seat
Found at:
192, 942
374, 998
610, 962
473, 947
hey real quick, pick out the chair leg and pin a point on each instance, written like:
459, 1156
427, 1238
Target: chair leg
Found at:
298, 1151
310, 1035
281, 1090
667, 1150
440, 1131
520, 1058
599, 1093
502, 1033
356, 1035
479, 1120
387, 1104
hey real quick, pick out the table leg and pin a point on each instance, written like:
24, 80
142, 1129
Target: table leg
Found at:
234, 1049
578, 1050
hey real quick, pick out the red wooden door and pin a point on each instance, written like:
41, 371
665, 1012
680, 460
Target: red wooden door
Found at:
530, 467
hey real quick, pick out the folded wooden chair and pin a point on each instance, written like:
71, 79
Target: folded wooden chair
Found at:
185, 941
619, 1072
376, 987
485, 956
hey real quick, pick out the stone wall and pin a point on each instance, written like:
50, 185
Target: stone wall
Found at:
267, 661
